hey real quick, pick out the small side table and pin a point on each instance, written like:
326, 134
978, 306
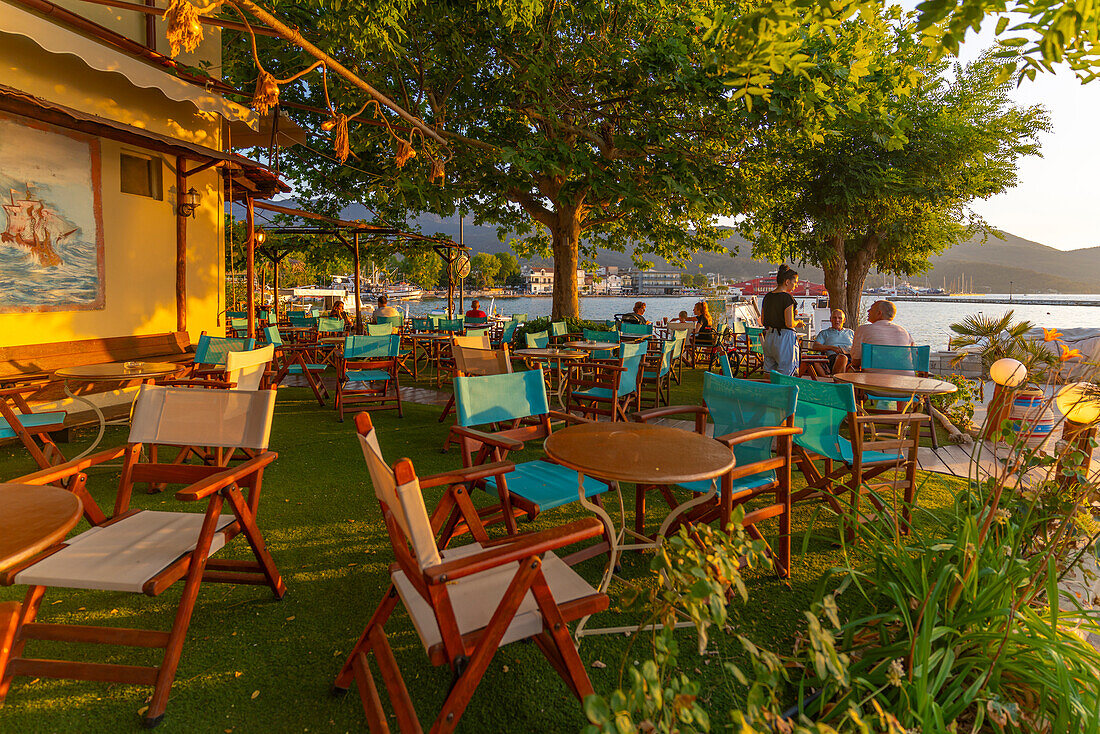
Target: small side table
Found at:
32, 518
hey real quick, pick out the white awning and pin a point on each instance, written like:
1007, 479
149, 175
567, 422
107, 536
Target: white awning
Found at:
58, 39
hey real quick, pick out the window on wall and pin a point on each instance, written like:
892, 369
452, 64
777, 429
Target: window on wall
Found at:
141, 175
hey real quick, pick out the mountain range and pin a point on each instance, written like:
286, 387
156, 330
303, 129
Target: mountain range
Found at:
1002, 264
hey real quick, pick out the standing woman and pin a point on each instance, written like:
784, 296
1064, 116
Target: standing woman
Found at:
780, 341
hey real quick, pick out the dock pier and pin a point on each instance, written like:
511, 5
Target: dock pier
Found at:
1005, 301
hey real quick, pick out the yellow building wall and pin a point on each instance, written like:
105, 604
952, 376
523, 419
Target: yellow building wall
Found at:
139, 233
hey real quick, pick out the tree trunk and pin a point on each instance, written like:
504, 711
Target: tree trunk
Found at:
833, 266
858, 265
566, 234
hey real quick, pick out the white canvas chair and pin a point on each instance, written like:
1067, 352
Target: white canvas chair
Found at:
468, 601
146, 551
245, 370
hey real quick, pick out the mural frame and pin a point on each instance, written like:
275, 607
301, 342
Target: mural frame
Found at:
96, 176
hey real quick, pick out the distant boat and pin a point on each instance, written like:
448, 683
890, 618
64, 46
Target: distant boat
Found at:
395, 292
28, 226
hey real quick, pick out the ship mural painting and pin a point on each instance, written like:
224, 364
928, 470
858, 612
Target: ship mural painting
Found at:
51, 230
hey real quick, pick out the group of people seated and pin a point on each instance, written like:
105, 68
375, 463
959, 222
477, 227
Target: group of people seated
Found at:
382, 311
842, 346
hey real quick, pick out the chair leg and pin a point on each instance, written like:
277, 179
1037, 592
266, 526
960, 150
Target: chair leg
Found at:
378, 619
558, 632
9, 652
256, 541
166, 673
368, 693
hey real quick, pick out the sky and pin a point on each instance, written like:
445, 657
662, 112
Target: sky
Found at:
1055, 202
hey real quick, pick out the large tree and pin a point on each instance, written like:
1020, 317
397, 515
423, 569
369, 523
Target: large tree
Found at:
855, 201
587, 125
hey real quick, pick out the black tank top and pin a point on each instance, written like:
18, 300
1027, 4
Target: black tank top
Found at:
775, 305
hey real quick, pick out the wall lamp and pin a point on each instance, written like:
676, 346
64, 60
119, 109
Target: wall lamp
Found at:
189, 202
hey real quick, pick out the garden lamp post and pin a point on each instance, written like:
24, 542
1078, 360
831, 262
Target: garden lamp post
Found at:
1007, 374
1080, 405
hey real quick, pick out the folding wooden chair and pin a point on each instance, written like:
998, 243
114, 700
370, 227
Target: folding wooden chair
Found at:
657, 373
18, 420
465, 602
475, 361
607, 387
850, 463
146, 551
537, 339
294, 360
370, 362
899, 360
748, 417
518, 403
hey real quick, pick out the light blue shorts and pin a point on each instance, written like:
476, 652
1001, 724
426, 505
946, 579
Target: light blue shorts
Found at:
781, 351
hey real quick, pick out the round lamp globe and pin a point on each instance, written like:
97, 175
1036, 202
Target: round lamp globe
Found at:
1008, 372
1079, 402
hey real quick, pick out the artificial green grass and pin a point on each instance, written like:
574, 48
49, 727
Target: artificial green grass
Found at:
253, 664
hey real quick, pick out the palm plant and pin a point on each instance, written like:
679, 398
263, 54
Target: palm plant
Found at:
997, 337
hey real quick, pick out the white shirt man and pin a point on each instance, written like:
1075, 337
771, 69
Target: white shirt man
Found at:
880, 329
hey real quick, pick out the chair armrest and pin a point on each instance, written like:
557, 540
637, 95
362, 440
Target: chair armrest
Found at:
198, 383
893, 418
557, 415
502, 441
468, 474
750, 434
524, 546
644, 416
206, 487
24, 388
69, 468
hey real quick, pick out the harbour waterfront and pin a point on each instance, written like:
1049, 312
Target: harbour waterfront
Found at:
928, 321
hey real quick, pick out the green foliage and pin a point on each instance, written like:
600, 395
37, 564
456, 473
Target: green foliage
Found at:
859, 199
422, 268
574, 326
483, 270
964, 629
959, 405
508, 273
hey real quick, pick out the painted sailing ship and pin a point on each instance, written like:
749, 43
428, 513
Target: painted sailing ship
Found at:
32, 225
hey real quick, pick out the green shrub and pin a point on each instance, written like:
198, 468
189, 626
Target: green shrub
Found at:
959, 405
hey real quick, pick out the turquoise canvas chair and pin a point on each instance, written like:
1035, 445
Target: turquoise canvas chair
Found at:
519, 318
755, 420
451, 326
605, 337
635, 330
303, 321
423, 324
851, 462
507, 335
679, 341
724, 362
559, 331
17, 420
211, 351
394, 321
518, 401
657, 373
747, 348
476, 320
537, 339
330, 326
235, 314
294, 360
379, 329
368, 371
902, 360
607, 387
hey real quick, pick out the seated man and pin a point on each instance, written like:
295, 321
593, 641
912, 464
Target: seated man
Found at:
383, 310
475, 311
836, 342
880, 329
637, 316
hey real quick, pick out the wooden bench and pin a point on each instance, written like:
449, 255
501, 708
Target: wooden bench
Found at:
30, 362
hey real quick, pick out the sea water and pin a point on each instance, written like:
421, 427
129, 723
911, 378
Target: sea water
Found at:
928, 321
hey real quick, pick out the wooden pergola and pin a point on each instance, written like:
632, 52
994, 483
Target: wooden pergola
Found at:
347, 234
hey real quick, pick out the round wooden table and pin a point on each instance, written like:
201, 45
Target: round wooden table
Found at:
33, 518
111, 372
639, 453
593, 346
890, 384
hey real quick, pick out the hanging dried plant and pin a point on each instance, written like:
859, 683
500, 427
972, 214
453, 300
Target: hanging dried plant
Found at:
405, 152
340, 141
267, 92
437, 170
184, 28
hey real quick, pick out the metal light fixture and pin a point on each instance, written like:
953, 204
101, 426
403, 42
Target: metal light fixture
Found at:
259, 235
189, 202
1080, 406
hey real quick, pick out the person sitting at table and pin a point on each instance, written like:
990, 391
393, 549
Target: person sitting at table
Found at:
637, 315
780, 345
683, 318
384, 310
880, 329
704, 324
338, 312
475, 311
835, 342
